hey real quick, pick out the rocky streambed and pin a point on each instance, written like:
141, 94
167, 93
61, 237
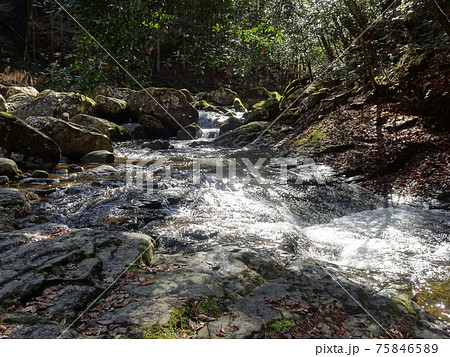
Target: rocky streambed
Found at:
188, 238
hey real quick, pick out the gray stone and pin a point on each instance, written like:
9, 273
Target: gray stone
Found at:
29, 148
157, 145
110, 108
99, 156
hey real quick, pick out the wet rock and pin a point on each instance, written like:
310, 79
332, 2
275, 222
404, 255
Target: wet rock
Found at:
111, 108
135, 130
30, 182
231, 124
29, 148
157, 145
238, 105
150, 102
242, 135
258, 94
222, 96
99, 156
74, 140
104, 170
8, 168
39, 174
192, 131
54, 104
4, 180
111, 130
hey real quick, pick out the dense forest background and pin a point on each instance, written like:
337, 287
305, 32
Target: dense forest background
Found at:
201, 44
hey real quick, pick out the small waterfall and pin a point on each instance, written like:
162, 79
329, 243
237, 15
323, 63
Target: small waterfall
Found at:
210, 123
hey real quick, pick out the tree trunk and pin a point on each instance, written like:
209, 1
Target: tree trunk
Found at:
158, 55
362, 23
440, 16
29, 32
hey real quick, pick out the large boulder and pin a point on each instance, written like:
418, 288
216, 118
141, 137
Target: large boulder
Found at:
168, 106
111, 108
74, 140
111, 130
221, 96
257, 94
29, 91
8, 168
29, 148
55, 104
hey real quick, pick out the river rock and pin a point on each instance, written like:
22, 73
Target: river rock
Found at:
192, 131
29, 148
135, 130
28, 91
162, 111
230, 124
221, 96
75, 140
157, 145
243, 135
111, 130
99, 156
111, 108
8, 168
55, 104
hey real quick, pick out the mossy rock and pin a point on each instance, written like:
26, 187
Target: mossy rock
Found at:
238, 106
187, 94
176, 327
243, 135
8, 168
29, 148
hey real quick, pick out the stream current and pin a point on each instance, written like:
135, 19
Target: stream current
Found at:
195, 195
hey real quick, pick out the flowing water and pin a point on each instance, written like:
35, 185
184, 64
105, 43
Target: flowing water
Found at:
197, 196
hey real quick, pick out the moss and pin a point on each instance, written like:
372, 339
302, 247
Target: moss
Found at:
146, 254
202, 105
176, 327
277, 326
403, 303
187, 94
6, 115
210, 307
434, 298
252, 279
275, 95
238, 105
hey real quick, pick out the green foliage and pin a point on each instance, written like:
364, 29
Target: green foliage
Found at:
277, 326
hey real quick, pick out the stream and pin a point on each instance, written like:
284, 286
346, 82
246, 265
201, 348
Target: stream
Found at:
194, 196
